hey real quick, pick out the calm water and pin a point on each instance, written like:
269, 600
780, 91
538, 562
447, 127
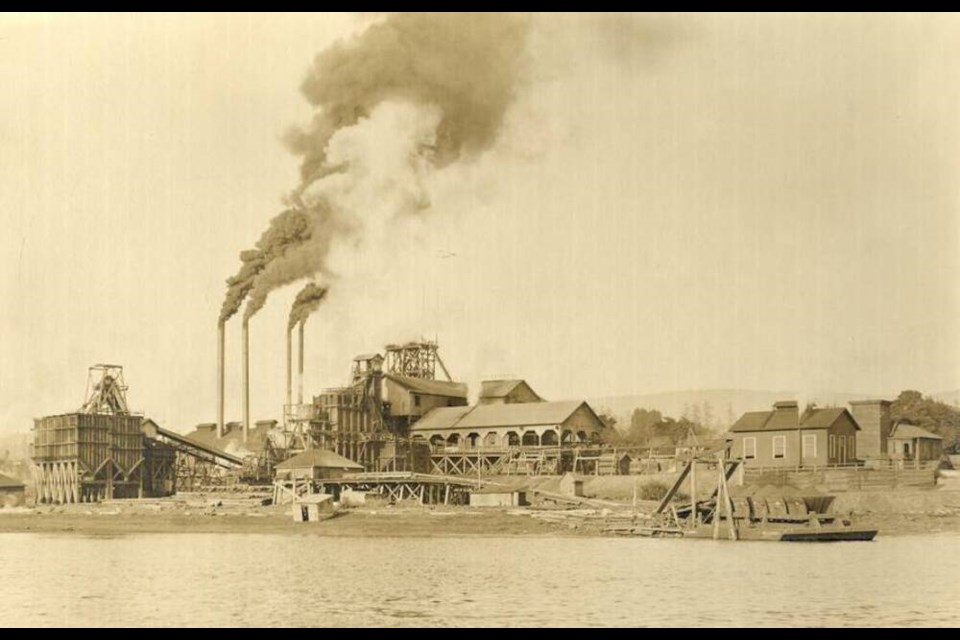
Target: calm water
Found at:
247, 580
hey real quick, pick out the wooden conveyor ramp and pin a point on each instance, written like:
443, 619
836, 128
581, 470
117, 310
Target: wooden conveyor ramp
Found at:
195, 449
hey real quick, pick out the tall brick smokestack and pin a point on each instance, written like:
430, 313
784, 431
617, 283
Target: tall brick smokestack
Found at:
221, 331
439, 86
289, 367
246, 379
307, 301
300, 365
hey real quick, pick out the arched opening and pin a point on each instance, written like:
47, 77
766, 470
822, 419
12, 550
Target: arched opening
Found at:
549, 439
491, 439
530, 439
473, 440
453, 440
582, 436
567, 438
511, 439
436, 441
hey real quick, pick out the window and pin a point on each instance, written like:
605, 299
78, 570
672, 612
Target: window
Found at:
416, 400
833, 447
810, 445
749, 448
779, 447
852, 449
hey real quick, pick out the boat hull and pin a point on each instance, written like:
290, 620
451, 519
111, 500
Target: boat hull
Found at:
841, 535
789, 534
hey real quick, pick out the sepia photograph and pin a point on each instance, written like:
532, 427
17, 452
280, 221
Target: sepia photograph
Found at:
479, 320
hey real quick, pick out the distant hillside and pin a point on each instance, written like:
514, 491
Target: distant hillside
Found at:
725, 404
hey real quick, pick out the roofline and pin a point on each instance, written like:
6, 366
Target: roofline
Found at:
413, 427
449, 394
507, 426
799, 427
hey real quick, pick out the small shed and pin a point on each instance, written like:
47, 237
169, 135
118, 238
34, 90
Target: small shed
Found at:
12, 492
316, 464
313, 508
498, 497
571, 485
910, 442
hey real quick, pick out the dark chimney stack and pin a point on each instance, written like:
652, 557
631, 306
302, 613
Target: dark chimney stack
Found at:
221, 331
246, 379
300, 366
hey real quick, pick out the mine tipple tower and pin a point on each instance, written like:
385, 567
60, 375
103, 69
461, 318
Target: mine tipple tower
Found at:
97, 452
106, 391
415, 360
368, 420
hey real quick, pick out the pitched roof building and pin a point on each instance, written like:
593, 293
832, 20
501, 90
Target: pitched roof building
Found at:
507, 425
784, 438
910, 442
316, 464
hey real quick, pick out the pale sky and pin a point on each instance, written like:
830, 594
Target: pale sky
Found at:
676, 202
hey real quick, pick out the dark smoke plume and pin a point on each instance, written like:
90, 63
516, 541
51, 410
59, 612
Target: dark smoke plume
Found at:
307, 301
466, 66
239, 286
290, 228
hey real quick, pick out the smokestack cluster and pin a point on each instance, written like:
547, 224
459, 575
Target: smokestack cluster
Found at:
307, 301
459, 73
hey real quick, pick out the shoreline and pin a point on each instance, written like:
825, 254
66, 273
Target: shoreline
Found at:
382, 521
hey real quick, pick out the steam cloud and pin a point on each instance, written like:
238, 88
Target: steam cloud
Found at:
460, 73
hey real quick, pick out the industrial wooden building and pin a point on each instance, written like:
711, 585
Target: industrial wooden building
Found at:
316, 464
369, 420
784, 438
492, 426
100, 451
512, 430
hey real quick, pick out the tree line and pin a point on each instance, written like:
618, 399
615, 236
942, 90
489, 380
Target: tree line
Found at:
650, 428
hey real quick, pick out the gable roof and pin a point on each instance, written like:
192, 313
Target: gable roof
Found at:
483, 416
6, 482
907, 430
770, 421
518, 415
824, 418
502, 388
319, 458
751, 421
497, 388
430, 387
440, 418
